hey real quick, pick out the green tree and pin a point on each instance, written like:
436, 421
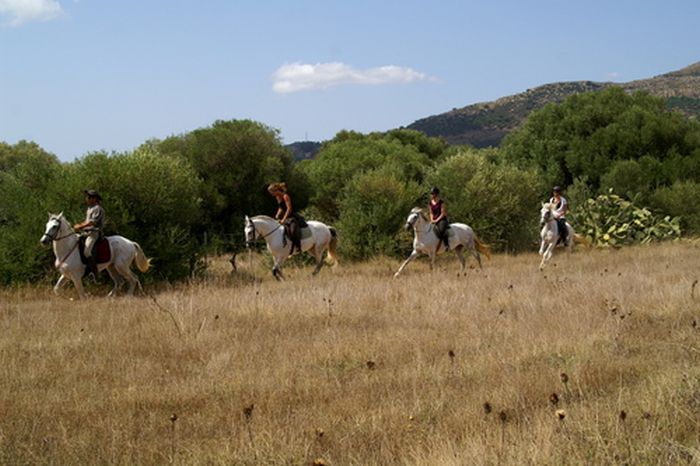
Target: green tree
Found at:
499, 201
236, 160
350, 155
373, 208
151, 199
584, 136
26, 173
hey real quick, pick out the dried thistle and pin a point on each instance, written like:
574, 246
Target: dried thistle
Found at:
561, 414
371, 365
487, 408
173, 418
319, 462
319, 432
623, 415
564, 378
554, 398
451, 354
503, 416
248, 412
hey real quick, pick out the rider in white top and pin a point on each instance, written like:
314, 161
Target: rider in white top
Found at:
561, 207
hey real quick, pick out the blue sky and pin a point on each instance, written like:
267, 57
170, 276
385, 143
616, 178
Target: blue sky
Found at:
83, 75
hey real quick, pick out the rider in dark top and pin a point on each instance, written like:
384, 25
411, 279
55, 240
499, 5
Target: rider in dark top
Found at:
438, 216
286, 215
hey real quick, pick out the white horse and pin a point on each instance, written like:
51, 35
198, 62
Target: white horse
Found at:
425, 240
549, 234
322, 237
68, 263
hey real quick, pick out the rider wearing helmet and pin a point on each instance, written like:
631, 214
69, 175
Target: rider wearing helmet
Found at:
438, 216
92, 227
561, 207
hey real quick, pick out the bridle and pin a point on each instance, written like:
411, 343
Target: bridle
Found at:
413, 223
257, 234
546, 217
52, 236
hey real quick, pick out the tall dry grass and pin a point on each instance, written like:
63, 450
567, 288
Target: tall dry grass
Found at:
593, 361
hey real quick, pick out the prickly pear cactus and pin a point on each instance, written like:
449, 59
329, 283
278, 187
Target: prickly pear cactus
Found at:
611, 221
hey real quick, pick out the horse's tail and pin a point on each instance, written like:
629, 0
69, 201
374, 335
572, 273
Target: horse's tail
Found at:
142, 262
482, 248
332, 246
581, 240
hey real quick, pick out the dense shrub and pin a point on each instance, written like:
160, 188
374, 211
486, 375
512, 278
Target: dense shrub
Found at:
350, 155
373, 208
681, 200
151, 199
500, 202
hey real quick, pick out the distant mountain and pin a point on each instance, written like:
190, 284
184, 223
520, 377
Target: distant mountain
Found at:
485, 124
304, 150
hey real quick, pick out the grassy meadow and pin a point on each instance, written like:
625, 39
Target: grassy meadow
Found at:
595, 360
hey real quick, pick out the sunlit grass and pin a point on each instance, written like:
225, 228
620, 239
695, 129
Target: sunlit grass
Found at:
506, 365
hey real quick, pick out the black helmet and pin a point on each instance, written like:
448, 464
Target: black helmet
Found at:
435, 190
556, 189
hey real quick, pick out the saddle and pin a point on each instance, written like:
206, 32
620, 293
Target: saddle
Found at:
305, 233
101, 251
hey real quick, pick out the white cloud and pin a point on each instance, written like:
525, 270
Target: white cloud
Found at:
23, 11
296, 77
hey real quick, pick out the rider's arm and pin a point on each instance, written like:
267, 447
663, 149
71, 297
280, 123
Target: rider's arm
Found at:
81, 225
288, 203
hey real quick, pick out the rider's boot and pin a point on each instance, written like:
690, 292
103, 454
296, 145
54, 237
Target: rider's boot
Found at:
91, 267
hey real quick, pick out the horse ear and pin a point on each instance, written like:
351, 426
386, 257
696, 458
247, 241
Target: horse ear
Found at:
60, 214
247, 219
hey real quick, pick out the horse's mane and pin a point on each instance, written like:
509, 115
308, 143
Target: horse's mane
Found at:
262, 217
420, 211
60, 217
548, 205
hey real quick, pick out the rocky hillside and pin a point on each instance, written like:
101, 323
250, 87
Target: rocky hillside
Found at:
485, 124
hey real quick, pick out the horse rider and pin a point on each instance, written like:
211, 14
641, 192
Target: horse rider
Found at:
438, 216
561, 207
292, 221
92, 227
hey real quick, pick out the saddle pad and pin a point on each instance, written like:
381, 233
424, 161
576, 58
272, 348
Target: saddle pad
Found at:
103, 252
306, 233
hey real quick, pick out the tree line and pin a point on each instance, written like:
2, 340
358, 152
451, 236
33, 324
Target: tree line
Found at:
186, 196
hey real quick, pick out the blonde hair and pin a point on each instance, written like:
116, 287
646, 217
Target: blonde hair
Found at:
274, 187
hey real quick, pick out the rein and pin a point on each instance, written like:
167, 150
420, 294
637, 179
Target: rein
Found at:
68, 235
255, 230
68, 254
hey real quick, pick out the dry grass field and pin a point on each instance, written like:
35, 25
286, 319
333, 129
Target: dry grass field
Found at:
596, 360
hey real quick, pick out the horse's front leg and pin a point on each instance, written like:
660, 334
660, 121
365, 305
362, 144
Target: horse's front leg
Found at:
413, 255
277, 269
547, 255
62, 280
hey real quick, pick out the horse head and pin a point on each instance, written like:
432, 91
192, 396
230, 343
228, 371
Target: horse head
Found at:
249, 232
53, 228
415, 214
545, 213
